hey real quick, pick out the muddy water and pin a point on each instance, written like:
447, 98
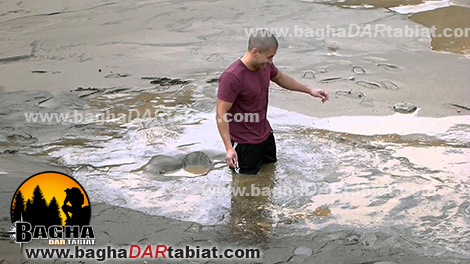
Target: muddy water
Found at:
402, 175
453, 16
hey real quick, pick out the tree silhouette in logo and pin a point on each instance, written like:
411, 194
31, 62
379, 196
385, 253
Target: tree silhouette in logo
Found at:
38, 208
17, 210
53, 213
80, 214
27, 211
36, 211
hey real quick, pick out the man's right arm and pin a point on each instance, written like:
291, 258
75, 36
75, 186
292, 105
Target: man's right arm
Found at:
222, 125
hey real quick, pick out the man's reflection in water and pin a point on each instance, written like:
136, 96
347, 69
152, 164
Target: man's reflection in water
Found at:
250, 218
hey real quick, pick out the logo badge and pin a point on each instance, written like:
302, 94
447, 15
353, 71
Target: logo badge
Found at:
53, 206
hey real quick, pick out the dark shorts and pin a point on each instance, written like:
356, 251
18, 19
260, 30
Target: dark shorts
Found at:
252, 157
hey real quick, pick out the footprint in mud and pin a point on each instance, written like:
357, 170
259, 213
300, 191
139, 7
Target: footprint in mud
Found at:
308, 74
389, 85
358, 70
368, 84
367, 102
350, 94
321, 69
332, 79
389, 67
317, 70
357, 95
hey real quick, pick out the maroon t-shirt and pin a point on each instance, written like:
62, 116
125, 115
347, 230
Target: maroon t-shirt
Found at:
248, 91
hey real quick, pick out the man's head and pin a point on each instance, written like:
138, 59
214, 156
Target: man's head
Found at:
262, 46
75, 197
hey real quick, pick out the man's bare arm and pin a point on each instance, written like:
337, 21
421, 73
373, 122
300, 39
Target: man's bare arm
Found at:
289, 83
222, 125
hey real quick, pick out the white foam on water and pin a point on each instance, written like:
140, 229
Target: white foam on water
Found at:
439, 159
426, 6
401, 124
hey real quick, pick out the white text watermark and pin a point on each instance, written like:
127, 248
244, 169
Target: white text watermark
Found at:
359, 31
78, 117
309, 190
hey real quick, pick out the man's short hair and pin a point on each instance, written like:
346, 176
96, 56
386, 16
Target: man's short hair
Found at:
263, 40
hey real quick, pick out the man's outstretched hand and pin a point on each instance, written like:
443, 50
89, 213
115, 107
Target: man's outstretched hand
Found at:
230, 157
323, 95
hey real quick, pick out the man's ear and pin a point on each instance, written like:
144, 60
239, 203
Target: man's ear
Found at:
254, 51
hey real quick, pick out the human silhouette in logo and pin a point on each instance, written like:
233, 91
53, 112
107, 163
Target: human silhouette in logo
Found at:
80, 215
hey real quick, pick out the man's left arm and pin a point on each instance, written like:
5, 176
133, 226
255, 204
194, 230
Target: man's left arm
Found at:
289, 83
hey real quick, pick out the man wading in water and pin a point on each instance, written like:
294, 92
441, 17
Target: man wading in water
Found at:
243, 92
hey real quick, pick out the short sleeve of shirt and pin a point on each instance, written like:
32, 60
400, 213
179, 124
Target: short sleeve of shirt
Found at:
229, 87
274, 70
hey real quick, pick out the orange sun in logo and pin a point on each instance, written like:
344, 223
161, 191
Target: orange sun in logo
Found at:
49, 193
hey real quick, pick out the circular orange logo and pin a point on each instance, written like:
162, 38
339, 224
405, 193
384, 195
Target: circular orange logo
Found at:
51, 198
